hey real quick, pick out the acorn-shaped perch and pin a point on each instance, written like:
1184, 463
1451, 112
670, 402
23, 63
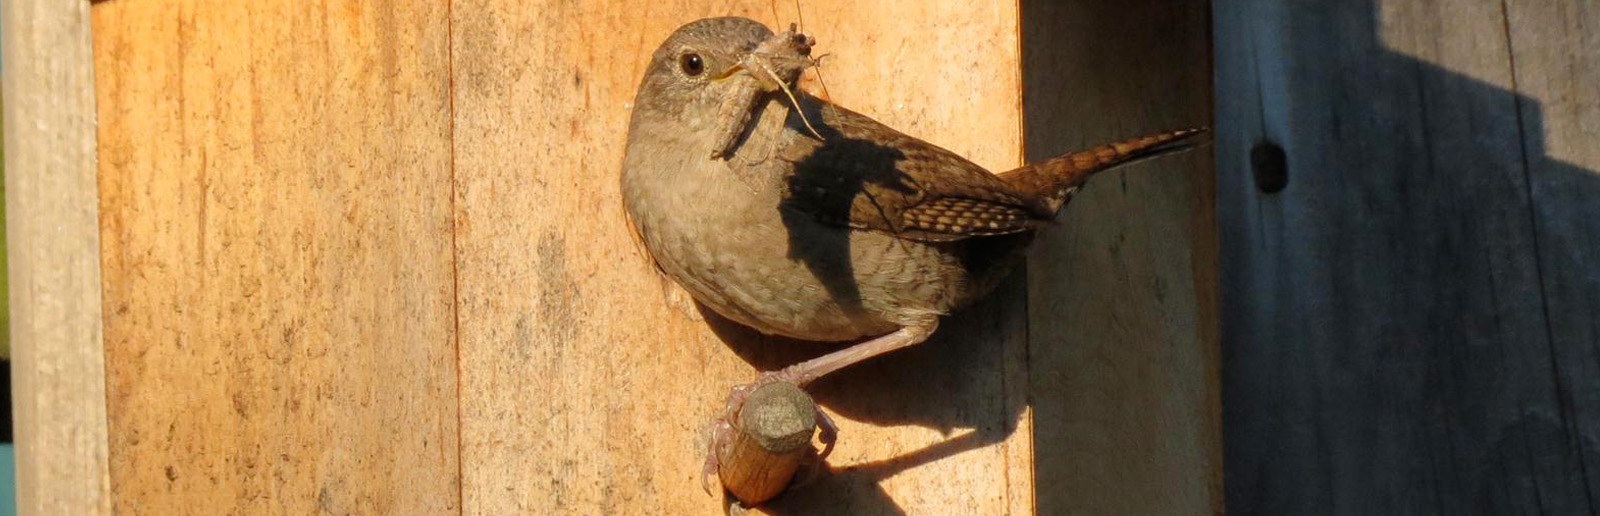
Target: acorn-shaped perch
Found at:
772, 434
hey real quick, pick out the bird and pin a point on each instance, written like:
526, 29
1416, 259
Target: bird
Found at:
797, 217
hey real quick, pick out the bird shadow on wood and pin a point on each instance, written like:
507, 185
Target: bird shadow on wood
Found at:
939, 384
950, 383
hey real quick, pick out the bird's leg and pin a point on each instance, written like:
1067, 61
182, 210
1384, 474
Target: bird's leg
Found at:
802, 374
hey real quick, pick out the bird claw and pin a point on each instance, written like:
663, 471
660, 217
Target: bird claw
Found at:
828, 434
722, 428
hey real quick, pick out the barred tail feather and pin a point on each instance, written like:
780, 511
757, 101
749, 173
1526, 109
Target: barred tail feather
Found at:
1054, 180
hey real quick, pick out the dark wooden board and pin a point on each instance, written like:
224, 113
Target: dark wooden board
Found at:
1409, 325
1122, 294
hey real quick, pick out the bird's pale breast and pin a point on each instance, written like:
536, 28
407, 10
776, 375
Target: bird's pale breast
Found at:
729, 243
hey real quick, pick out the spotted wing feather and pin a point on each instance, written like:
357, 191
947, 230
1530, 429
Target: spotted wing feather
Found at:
867, 176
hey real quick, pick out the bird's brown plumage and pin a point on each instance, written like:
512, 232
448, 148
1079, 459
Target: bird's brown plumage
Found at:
865, 175
1052, 182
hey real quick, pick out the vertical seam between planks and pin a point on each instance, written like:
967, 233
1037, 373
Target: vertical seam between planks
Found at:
109, 503
1208, 323
108, 494
1026, 371
455, 250
1563, 395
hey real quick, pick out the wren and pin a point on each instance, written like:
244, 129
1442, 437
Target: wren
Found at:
797, 217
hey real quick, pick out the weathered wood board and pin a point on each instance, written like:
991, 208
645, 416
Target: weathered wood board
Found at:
1122, 295
276, 222
58, 370
369, 258
585, 389
1410, 325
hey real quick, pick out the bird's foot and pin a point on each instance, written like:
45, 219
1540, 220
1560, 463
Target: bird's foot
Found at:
828, 434
721, 434
722, 428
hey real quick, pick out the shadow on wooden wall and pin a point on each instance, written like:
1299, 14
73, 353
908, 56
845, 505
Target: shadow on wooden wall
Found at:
931, 385
1410, 324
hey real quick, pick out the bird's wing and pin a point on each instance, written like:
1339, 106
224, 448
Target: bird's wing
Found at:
864, 175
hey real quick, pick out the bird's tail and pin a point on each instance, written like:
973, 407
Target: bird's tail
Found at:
1056, 179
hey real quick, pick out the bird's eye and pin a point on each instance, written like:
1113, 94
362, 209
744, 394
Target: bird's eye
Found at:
691, 64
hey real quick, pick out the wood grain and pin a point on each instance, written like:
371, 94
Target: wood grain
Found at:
57, 365
369, 259
1122, 296
276, 223
586, 380
773, 432
1410, 324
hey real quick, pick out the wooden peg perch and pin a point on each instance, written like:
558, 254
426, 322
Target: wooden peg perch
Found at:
771, 435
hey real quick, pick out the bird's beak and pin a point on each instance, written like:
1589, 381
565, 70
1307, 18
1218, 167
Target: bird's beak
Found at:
736, 68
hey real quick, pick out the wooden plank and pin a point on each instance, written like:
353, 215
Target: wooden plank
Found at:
277, 254
1409, 324
1555, 52
58, 365
1122, 296
585, 388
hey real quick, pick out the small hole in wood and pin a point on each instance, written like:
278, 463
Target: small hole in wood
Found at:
1270, 165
